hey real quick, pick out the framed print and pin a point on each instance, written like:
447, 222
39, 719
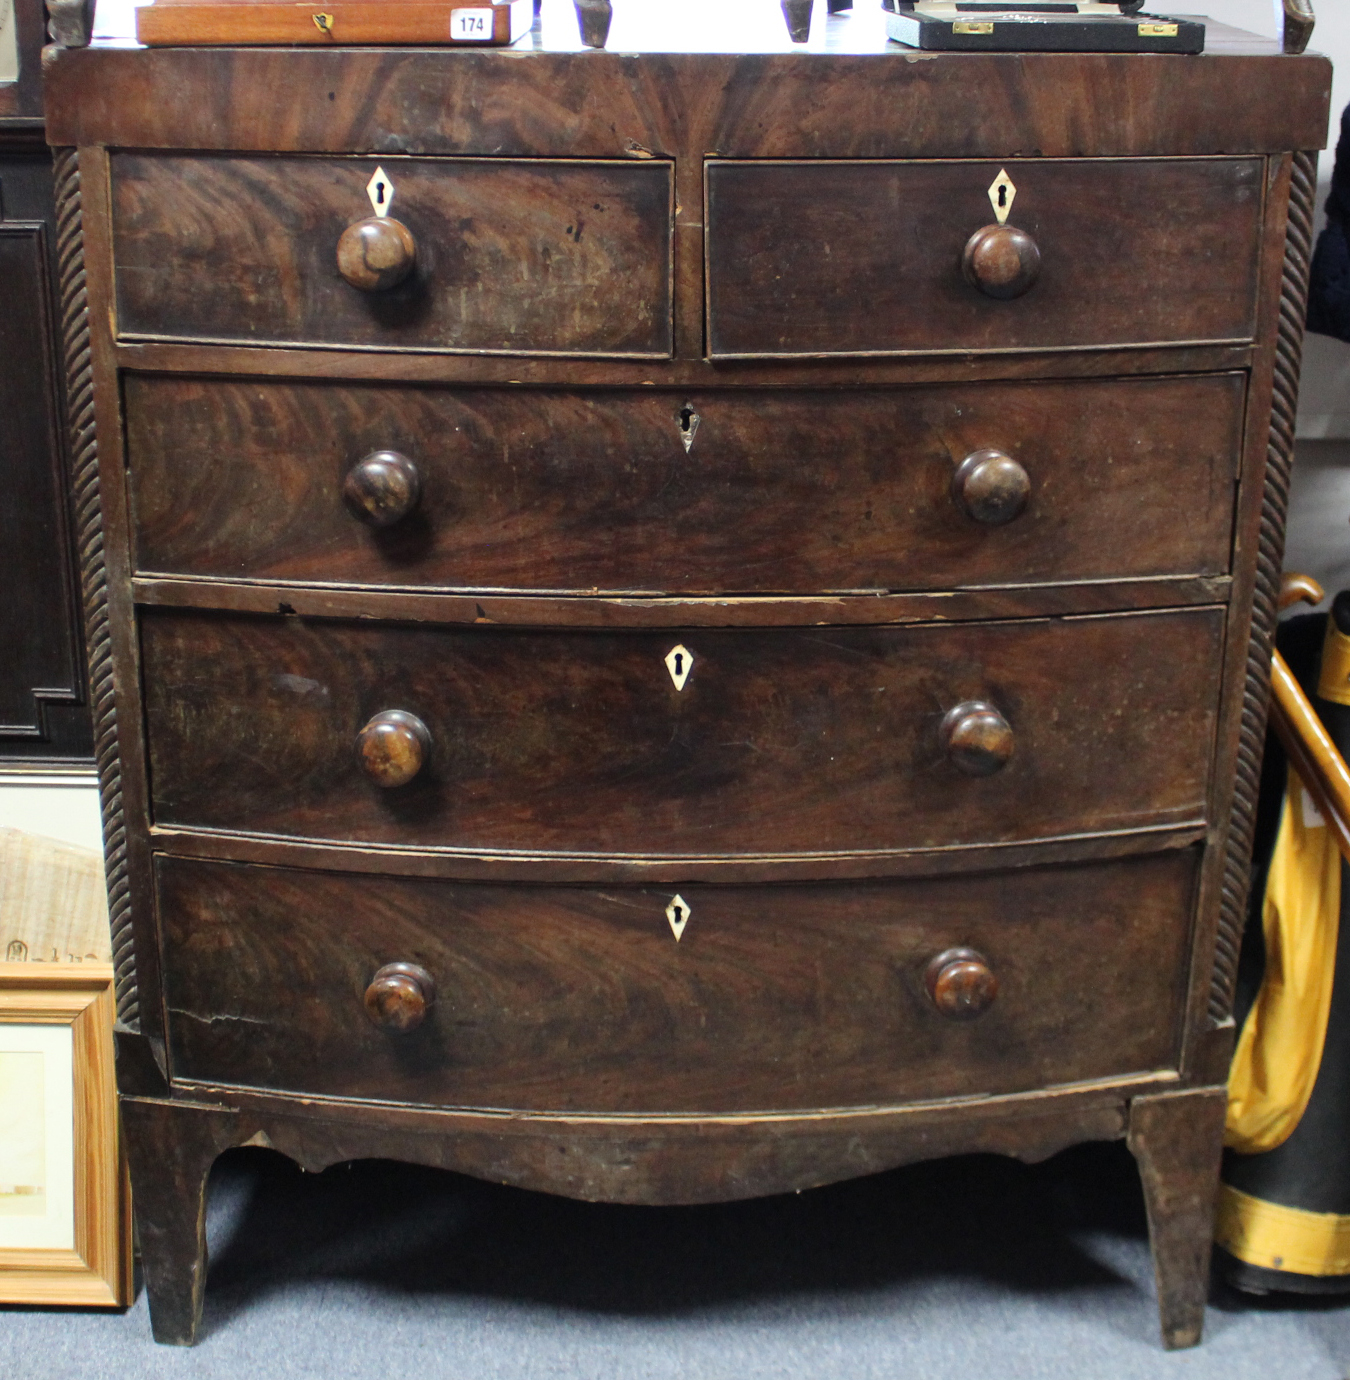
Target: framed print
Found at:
65, 1220
9, 42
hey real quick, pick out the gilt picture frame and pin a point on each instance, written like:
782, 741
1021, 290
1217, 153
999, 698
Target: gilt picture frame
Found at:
65, 1203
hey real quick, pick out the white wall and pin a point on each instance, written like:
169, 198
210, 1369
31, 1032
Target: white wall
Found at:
56, 805
1324, 397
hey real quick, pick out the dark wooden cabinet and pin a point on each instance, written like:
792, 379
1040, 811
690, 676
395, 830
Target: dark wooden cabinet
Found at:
684, 626
44, 709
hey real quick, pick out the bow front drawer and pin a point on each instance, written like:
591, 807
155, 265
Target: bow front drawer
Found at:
540, 998
515, 256
829, 258
737, 490
689, 743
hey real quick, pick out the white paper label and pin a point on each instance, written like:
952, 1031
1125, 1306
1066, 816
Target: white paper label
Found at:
1312, 816
471, 26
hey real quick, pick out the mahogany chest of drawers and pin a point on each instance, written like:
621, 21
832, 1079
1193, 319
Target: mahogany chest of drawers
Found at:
670, 627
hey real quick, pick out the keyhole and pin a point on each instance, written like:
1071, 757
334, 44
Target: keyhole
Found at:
1002, 196
679, 914
688, 426
379, 194
679, 662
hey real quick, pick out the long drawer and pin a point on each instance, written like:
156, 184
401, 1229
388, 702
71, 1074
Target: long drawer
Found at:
575, 999
511, 255
672, 744
718, 492
828, 257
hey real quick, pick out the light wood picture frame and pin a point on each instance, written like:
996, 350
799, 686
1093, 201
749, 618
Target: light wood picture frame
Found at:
47, 1009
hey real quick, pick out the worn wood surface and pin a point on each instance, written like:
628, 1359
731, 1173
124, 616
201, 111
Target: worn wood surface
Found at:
698, 493
690, 371
570, 999
889, 103
584, 868
603, 1159
1258, 540
1266, 545
1176, 1139
509, 254
778, 742
99, 600
1131, 251
172, 1155
653, 611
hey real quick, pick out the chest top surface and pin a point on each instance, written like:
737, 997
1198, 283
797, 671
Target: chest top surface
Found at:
694, 79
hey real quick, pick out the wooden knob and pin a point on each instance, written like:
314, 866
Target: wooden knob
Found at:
991, 487
1001, 260
376, 254
392, 747
399, 997
978, 739
383, 488
961, 984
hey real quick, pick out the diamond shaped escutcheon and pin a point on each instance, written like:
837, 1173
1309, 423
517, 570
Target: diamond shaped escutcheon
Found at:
380, 190
678, 912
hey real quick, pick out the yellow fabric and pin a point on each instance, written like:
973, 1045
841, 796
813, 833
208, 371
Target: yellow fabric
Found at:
1282, 1238
1333, 682
1280, 1048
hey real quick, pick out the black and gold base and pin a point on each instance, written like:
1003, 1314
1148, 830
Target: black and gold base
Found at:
1283, 1218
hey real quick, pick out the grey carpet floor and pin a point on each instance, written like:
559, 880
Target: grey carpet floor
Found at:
961, 1268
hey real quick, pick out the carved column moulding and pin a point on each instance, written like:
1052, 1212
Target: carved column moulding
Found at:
93, 576
1265, 600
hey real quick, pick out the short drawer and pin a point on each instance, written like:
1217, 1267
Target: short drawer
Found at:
580, 1000
672, 744
719, 492
515, 256
829, 258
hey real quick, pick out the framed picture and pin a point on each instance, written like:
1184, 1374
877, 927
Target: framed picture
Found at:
65, 1206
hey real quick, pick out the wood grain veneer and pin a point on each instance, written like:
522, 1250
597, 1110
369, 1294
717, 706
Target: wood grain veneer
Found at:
1131, 250
572, 999
653, 491
780, 741
245, 250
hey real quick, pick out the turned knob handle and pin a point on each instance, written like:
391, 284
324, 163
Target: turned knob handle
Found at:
392, 748
961, 983
977, 738
383, 488
399, 997
376, 254
991, 487
1001, 260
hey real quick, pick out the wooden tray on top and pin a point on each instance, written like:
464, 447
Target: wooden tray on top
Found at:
206, 23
